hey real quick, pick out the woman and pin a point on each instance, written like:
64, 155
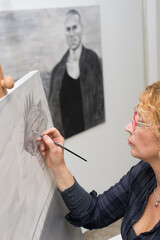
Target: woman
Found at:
136, 197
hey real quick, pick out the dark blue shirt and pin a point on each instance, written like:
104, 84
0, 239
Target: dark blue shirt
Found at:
131, 234
125, 199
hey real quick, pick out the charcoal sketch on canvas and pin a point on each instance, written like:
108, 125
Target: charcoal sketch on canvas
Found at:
76, 98
31, 207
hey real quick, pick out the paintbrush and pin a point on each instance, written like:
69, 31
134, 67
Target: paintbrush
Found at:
41, 136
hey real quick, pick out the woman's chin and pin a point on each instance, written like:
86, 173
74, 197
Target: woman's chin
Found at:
134, 154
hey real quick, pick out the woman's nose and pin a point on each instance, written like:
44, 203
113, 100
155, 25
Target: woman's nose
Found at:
129, 127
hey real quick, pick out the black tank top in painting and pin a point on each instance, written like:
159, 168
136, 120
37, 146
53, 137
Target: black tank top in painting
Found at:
71, 106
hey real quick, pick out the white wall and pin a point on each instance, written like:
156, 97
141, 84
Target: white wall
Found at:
158, 36
105, 146
152, 40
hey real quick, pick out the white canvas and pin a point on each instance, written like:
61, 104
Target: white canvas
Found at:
31, 207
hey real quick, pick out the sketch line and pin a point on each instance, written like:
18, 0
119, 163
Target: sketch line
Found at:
47, 202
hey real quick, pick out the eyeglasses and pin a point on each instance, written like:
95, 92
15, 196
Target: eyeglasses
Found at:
137, 123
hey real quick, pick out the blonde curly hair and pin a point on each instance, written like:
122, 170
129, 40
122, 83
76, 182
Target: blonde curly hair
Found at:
149, 106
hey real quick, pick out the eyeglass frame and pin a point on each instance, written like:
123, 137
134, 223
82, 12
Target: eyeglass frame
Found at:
137, 123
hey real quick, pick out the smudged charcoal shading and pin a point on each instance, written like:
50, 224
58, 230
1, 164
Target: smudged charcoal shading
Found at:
34, 118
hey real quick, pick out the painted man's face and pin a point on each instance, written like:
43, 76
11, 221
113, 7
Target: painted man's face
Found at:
73, 30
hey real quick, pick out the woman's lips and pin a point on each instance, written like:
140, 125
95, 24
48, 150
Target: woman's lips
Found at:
130, 143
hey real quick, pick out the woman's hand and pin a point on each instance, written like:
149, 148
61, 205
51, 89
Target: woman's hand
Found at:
54, 156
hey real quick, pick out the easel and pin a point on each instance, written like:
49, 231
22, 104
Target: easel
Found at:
5, 83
